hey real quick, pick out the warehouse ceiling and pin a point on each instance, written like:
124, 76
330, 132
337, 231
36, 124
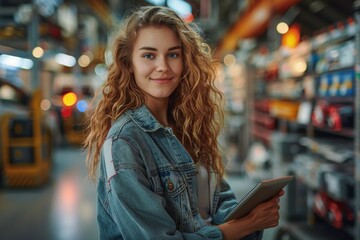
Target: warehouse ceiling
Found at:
315, 15
312, 15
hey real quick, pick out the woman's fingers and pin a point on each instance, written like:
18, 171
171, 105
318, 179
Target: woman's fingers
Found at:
281, 193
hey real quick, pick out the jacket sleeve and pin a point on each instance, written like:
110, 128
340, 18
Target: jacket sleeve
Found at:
227, 202
137, 210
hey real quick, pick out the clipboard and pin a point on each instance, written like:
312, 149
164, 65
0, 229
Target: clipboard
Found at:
262, 192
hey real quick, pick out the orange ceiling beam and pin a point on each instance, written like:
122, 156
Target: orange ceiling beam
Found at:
253, 22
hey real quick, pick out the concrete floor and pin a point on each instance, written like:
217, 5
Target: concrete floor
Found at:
64, 209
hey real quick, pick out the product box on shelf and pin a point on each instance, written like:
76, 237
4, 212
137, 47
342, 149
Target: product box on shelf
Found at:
319, 113
340, 116
340, 56
339, 185
324, 85
337, 213
311, 169
335, 117
347, 80
335, 85
284, 109
332, 150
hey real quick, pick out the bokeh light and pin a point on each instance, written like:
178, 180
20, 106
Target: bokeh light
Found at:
69, 99
38, 52
45, 104
82, 105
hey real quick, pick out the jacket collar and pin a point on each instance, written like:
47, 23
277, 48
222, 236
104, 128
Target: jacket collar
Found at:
144, 119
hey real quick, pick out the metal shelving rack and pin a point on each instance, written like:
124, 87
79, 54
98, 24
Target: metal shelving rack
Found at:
301, 229
357, 121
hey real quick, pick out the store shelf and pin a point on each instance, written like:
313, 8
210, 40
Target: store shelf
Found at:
342, 38
345, 99
333, 70
331, 114
346, 132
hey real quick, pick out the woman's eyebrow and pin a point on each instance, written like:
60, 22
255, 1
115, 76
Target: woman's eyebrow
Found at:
148, 48
154, 49
174, 48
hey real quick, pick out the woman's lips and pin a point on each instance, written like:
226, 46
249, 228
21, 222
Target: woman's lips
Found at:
162, 80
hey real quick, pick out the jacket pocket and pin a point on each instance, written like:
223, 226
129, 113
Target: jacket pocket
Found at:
172, 182
172, 185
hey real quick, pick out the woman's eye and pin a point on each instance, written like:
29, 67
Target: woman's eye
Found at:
148, 56
173, 55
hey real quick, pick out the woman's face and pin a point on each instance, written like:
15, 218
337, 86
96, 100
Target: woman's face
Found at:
157, 62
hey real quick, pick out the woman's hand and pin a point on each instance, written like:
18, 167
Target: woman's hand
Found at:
265, 215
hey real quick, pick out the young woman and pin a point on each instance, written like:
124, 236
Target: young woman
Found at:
152, 139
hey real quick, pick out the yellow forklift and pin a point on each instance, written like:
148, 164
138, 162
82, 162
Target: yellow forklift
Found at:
26, 147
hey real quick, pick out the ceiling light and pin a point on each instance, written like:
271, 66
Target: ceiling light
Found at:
14, 61
282, 28
65, 59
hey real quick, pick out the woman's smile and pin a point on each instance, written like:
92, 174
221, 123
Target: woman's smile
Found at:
162, 80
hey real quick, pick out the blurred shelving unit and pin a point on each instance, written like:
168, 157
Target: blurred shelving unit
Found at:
40, 45
306, 111
357, 124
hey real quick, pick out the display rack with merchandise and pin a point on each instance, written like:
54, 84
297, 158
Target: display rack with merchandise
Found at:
305, 109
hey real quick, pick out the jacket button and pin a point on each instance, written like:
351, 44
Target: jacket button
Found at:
169, 185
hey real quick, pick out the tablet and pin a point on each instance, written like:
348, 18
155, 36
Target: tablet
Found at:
263, 191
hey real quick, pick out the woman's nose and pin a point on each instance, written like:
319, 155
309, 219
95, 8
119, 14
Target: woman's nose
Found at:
162, 65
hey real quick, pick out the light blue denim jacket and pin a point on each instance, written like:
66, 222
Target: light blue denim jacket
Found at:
147, 185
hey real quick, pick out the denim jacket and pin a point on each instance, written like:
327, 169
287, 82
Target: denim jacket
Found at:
147, 185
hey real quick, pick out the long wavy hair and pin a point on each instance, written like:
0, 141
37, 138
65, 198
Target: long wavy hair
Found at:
195, 107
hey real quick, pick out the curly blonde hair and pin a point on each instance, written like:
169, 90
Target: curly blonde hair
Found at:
195, 107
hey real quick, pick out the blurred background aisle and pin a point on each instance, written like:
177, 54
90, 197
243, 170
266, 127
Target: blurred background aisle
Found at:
62, 209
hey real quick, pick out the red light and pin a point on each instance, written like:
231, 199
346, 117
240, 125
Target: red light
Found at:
66, 112
189, 18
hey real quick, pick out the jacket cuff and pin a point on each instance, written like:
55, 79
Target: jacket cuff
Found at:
211, 232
